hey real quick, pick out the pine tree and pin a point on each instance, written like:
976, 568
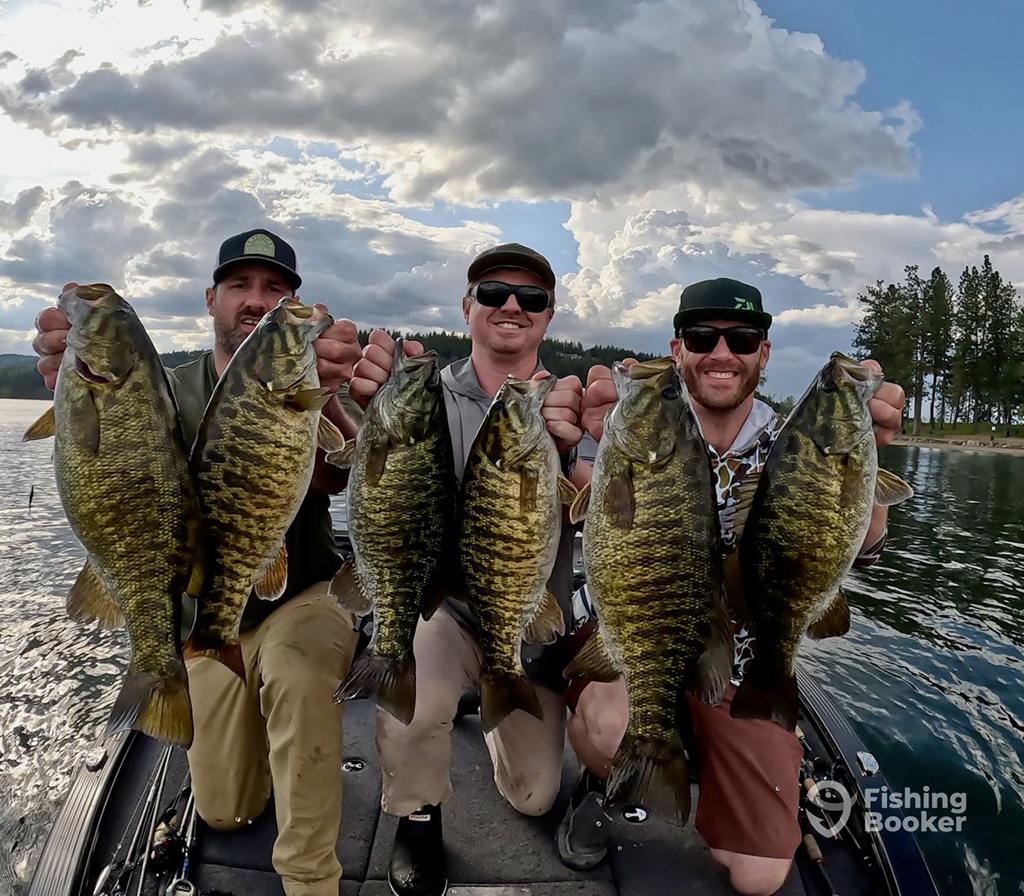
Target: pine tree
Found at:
938, 315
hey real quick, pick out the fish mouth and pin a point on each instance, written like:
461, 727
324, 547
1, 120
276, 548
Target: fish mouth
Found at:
93, 292
87, 373
853, 369
643, 370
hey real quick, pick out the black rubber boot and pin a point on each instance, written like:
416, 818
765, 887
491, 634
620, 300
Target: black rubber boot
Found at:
585, 828
417, 865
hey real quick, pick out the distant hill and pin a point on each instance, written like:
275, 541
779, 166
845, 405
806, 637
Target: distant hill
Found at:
9, 360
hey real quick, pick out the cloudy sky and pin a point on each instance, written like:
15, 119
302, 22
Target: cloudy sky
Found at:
810, 148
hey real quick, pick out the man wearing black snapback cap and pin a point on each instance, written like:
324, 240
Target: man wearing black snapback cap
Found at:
747, 768
507, 305
250, 739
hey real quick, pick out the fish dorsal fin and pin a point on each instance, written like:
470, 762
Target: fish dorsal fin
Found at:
736, 515
90, 599
594, 661
344, 588
890, 489
834, 621
44, 428
566, 490
271, 585
309, 399
580, 505
548, 624
329, 437
620, 501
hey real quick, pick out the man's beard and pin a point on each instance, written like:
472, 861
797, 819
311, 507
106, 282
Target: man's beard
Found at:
230, 338
695, 386
228, 341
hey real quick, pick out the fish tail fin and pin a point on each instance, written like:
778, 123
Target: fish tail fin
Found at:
227, 652
158, 707
761, 696
653, 774
390, 683
501, 693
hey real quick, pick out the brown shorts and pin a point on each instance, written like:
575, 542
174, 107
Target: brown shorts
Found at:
748, 774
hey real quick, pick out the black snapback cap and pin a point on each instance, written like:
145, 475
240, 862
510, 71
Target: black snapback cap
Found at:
511, 255
721, 298
257, 245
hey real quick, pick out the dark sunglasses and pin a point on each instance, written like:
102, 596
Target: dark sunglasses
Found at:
494, 294
741, 340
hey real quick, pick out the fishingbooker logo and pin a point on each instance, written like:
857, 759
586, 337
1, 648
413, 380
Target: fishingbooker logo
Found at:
924, 811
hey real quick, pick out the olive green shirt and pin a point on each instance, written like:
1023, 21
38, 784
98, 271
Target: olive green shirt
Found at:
312, 555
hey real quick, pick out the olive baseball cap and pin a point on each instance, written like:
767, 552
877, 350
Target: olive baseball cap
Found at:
257, 245
511, 255
721, 298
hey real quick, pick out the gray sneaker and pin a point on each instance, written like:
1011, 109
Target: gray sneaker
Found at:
585, 828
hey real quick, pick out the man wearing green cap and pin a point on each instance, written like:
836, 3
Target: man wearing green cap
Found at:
747, 768
250, 739
508, 304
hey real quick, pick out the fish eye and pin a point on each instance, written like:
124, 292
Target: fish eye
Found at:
828, 384
670, 393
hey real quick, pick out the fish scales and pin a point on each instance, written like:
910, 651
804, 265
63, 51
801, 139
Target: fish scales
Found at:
401, 511
803, 521
510, 523
655, 576
253, 461
245, 505
122, 474
508, 551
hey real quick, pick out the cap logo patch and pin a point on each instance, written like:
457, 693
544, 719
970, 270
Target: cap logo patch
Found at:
259, 244
743, 304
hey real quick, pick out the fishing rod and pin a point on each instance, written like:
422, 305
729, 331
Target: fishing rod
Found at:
121, 872
162, 778
115, 865
181, 885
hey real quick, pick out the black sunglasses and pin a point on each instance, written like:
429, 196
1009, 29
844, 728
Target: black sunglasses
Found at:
494, 294
741, 340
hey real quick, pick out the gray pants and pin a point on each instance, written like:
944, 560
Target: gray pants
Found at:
415, 759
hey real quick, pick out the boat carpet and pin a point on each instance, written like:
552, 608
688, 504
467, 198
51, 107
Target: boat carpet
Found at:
492, 849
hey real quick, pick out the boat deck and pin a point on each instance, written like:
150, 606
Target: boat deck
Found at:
492, 850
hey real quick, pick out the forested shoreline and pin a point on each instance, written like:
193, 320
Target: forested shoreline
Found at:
959, 352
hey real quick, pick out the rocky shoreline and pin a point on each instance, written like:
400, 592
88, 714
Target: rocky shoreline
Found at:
965, 443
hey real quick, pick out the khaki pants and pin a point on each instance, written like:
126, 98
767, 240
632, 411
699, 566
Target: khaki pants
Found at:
280, 731
415, 760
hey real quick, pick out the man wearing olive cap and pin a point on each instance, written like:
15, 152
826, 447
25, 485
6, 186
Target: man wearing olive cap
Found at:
254, 738
747, 768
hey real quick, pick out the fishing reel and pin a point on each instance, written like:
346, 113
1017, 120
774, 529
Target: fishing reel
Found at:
168, 847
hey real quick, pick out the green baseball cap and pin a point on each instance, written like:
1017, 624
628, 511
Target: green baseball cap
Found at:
721, 298
511, 255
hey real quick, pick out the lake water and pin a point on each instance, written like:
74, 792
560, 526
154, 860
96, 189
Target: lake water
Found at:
931, 673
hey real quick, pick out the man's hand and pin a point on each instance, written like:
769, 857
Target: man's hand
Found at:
886, 408
51, 340
561, 411
374, 368
599, 398
337, 350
